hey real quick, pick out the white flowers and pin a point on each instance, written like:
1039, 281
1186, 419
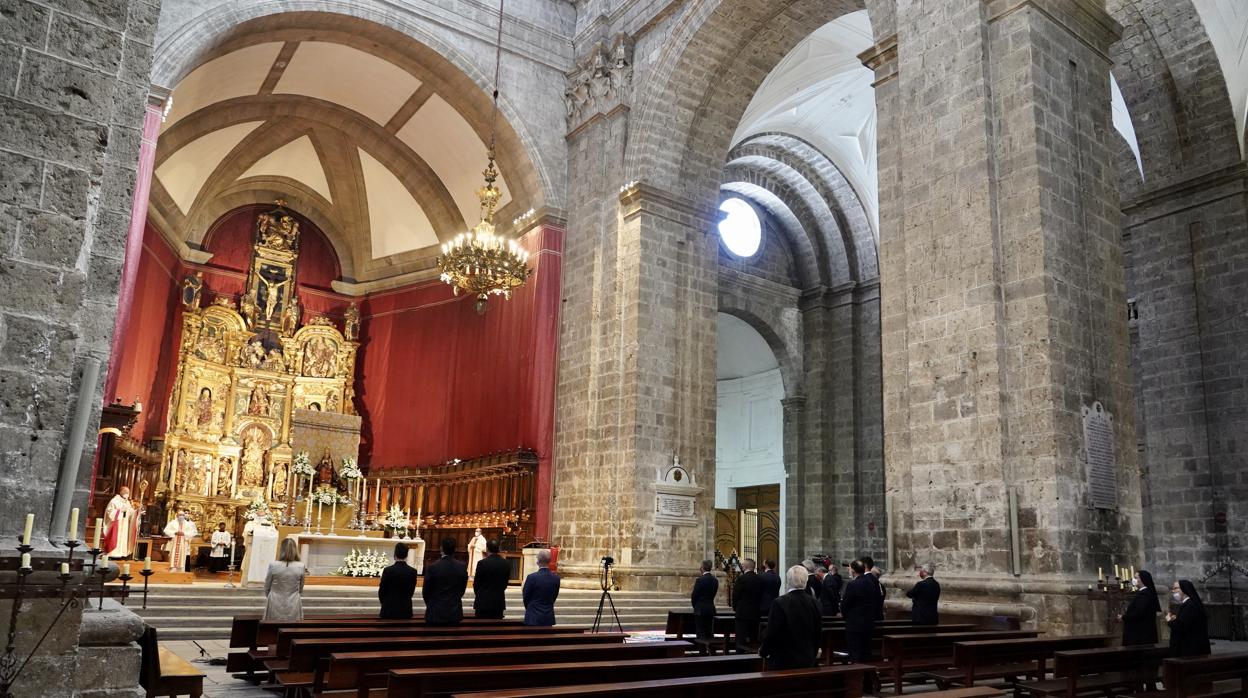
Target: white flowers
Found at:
302, 465
369, 563
350, 471
396, 519
329, 497
256, 509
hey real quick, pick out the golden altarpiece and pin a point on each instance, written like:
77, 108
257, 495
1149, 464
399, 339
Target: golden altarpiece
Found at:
243, 367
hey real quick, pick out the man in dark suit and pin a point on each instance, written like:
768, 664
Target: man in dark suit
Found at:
398, 583
489, 585
858, 605
703, 600
925, 596
830, 602
771, 586
445, 583
876, 572
813, 586
747, 601
541, 588
794, 626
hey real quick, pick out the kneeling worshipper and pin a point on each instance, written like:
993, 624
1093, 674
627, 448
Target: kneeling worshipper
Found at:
222, 548
260, 537
121, 525
180, 531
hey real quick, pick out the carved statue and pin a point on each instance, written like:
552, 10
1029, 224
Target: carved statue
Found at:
211, 345
251, 463
203, 409
258, 402
270, 300
277, 229
251, 354
348, 400
318, 357
331, 401
181, 471
351, 322
274, 361
247, 307
290, 316
325, 474
225, 477
200, 473
279, 480
192, 289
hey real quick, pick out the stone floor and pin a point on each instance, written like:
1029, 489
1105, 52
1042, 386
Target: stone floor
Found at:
219, 684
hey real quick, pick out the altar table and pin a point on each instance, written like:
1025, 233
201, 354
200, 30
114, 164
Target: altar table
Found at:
323, 554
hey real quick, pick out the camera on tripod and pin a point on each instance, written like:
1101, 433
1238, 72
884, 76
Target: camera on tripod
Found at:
608, 561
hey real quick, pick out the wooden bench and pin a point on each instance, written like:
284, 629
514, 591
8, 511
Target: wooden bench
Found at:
978, 660
834, 642
431, 683
972, 692
1195, 677
1077, 672
245, 632
364, 671
281, 648
844, 680
930, 651
163, 673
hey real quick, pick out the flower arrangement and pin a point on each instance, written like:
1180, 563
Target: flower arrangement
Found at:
396, 519
350, 470
369, 563
302, 465
257, 508
329, 497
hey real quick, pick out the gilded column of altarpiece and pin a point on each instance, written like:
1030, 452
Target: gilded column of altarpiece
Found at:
243, 366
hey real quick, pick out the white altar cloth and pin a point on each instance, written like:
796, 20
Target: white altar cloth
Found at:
324, 554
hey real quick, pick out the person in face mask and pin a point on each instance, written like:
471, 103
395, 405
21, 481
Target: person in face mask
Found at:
1189, 627
1139, 621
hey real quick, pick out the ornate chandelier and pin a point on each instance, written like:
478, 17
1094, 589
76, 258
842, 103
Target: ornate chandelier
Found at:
479, 261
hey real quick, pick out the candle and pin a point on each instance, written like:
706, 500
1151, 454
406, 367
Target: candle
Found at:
1133, 573
30, 524
95, 538
378, 499
333, 511
147, 562
125, 570
64, 568
319, 505
26, 560
73, 524
1089, 587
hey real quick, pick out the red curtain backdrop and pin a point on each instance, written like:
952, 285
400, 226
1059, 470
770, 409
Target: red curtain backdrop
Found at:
434, 381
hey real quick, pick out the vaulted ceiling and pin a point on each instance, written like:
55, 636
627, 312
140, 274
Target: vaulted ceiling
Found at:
371, 136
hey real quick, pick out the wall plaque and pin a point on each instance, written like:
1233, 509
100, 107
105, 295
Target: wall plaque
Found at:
1098, 446
675, 497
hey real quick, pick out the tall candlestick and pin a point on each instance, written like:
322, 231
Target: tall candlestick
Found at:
73, 524
95, 538
30, 524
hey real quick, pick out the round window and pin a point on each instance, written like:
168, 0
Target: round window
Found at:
740, 230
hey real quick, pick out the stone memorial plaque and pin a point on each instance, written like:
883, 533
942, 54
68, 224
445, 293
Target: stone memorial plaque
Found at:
676, 506
1098, 445
675, 497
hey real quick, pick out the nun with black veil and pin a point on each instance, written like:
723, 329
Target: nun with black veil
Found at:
1189, 627
1139, 621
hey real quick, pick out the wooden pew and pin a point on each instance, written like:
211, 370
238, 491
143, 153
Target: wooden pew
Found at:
281, 648
978, 660
163, 673
439, 682
1077, 672
844, 680
1195, 677
834, 637
244, 632
928, 651
364, 671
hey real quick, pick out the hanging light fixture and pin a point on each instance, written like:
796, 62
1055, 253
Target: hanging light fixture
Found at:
479, 261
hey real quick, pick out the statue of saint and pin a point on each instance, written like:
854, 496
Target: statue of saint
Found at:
258, 403
279, 481
274, 361
192, 289
325, 474
203, 409
181, 470
290, 316
225, 477
351, 323
331, 401
251, 463
270, 300
247, 307
251, 354
201, 471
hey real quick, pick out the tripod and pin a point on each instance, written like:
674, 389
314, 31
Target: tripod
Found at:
606, 599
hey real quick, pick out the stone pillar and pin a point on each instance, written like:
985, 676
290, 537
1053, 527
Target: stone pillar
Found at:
795, 465
1003, 299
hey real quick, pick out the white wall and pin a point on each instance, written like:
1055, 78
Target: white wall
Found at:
749, 438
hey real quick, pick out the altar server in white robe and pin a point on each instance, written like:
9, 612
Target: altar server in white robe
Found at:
222, 548
180, 531
260, 537
121, 524
476, 552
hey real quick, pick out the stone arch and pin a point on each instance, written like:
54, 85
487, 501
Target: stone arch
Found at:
718, 54
194, 43
804, 254
786, 348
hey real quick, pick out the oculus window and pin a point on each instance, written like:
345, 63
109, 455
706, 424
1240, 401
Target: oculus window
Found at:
740, 230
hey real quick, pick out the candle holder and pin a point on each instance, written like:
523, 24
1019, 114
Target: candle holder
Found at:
145, 573
95, 555
125, 587
1116, 595
64, 577
102, 571
70, 545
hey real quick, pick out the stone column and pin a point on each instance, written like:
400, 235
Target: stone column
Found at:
1003, 300
795, 465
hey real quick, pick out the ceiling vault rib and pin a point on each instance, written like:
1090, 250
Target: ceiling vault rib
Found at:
409, 108
279, 67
